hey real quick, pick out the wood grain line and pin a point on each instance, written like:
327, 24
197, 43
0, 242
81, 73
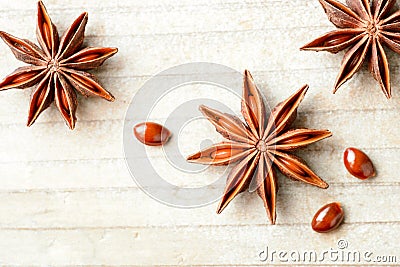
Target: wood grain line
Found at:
301, 112
139, 227
131, 188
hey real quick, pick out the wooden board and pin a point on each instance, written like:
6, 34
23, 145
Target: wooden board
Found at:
67, 198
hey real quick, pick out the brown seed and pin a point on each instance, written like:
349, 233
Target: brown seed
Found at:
327, 218
358, 163
338, 40
88, 57
297, 139
83, 81
42, 95
293, 167
228, 126
24, 77
222, 153
253, 109
281, 116
91, 85
64, 100
47, 34
151, 134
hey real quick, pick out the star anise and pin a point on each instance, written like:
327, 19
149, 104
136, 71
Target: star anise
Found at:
57, 67
260, 145
365, 26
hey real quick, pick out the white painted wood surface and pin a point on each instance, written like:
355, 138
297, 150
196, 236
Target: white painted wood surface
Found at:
68, 199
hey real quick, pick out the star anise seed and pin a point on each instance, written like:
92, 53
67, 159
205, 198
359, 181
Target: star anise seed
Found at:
57, 67
365, 27
259, 146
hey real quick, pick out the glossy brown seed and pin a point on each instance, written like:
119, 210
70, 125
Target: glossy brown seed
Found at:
293, 167
337, 40
297, 139
24, 77
327, 218
87, 57
64, 99
151, 134
46, 30
83, 81
222, 153
358, 163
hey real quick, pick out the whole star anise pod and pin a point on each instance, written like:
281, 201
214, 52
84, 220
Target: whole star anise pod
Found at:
57, 67
260, 145
365, 26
